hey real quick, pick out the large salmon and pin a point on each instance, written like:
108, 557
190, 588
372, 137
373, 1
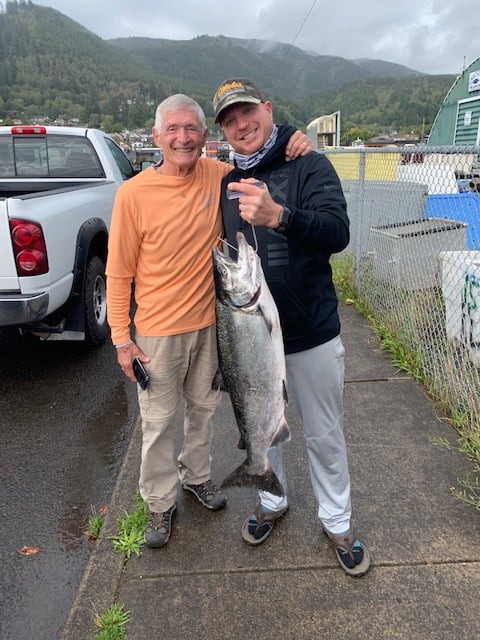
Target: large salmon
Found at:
252, 362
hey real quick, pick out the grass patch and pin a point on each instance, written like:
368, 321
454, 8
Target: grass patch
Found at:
111, 623
95, 523
129, 540
470, 491
470, 486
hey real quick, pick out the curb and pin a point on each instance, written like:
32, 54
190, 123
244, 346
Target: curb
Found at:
105, 567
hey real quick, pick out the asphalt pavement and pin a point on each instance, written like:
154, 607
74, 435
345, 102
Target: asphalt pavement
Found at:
208, 584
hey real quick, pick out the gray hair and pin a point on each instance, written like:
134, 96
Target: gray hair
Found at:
175, 103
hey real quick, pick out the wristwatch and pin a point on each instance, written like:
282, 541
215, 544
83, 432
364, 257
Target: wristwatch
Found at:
284, 219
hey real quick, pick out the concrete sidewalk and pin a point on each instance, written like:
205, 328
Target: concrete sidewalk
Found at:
208, 584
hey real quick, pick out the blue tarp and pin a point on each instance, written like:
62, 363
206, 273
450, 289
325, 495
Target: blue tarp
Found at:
462, 207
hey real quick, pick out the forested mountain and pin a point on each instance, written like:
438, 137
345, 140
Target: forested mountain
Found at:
50, 66
286, 71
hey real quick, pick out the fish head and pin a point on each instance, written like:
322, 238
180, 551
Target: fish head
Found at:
238, 282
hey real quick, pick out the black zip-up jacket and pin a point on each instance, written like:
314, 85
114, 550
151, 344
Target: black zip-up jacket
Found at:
296, 263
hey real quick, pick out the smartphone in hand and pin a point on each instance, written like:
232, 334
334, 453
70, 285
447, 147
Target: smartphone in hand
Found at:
233, 195
141, 373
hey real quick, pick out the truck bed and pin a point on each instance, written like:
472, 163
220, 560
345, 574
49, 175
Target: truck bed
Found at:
19, 188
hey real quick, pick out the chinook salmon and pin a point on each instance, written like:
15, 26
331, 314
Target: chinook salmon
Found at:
252, 362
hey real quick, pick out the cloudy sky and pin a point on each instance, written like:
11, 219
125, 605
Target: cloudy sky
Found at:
433, 36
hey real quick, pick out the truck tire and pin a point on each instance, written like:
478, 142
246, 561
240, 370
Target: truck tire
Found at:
95, 299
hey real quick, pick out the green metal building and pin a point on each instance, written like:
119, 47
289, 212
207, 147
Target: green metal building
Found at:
458, 119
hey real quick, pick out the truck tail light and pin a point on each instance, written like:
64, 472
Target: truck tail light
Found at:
29, 248
28, 129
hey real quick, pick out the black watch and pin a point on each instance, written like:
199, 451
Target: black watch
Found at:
284, 219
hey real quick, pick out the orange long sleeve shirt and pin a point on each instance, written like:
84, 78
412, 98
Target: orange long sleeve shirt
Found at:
162, 233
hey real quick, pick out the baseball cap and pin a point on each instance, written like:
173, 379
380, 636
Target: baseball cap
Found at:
235, 90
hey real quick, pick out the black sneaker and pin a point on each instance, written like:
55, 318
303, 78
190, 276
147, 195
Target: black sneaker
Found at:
207, 494
159, 527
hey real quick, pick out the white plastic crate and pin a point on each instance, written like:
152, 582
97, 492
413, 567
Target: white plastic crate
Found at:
380, 203
406, 254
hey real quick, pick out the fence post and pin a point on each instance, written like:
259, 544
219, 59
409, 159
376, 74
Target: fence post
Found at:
359, 217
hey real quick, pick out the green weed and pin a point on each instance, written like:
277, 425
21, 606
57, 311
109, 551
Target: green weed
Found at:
95, 526
111, 623
129, 540
95, 522
470, 492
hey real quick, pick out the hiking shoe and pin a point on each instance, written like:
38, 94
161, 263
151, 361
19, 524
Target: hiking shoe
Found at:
159, 527
259, 526
207, 494
352, 554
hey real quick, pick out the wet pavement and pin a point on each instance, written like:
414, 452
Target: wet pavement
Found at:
66, 417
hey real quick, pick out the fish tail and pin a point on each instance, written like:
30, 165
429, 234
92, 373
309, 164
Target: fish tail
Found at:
267, 481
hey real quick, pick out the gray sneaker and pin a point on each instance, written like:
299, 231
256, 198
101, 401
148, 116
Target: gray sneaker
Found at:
207, 494
159, 527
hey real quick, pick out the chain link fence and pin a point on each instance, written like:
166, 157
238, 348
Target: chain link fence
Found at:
415, 243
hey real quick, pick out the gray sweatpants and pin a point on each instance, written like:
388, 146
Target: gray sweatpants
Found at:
315, 379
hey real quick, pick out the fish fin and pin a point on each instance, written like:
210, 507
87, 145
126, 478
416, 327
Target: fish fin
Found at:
218, 382
267, 481
241, 443
283, 434
266, 317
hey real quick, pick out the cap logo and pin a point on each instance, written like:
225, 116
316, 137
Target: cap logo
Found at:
229, 87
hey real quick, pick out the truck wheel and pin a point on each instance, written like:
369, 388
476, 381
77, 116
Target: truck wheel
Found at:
95, 297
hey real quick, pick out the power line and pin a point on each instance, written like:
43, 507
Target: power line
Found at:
303, 22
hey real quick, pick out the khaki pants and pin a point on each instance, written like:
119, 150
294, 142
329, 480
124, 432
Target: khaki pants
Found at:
181, 368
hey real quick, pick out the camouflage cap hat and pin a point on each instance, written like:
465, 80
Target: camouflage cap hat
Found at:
235, 90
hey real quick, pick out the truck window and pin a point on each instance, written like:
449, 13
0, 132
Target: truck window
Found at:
7, 169
123, 163
147, 156
48, 155
30, 156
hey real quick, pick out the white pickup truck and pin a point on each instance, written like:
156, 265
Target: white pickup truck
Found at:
57, 186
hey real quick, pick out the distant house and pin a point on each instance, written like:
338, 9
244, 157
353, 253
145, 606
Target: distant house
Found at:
458, 119
391, 140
